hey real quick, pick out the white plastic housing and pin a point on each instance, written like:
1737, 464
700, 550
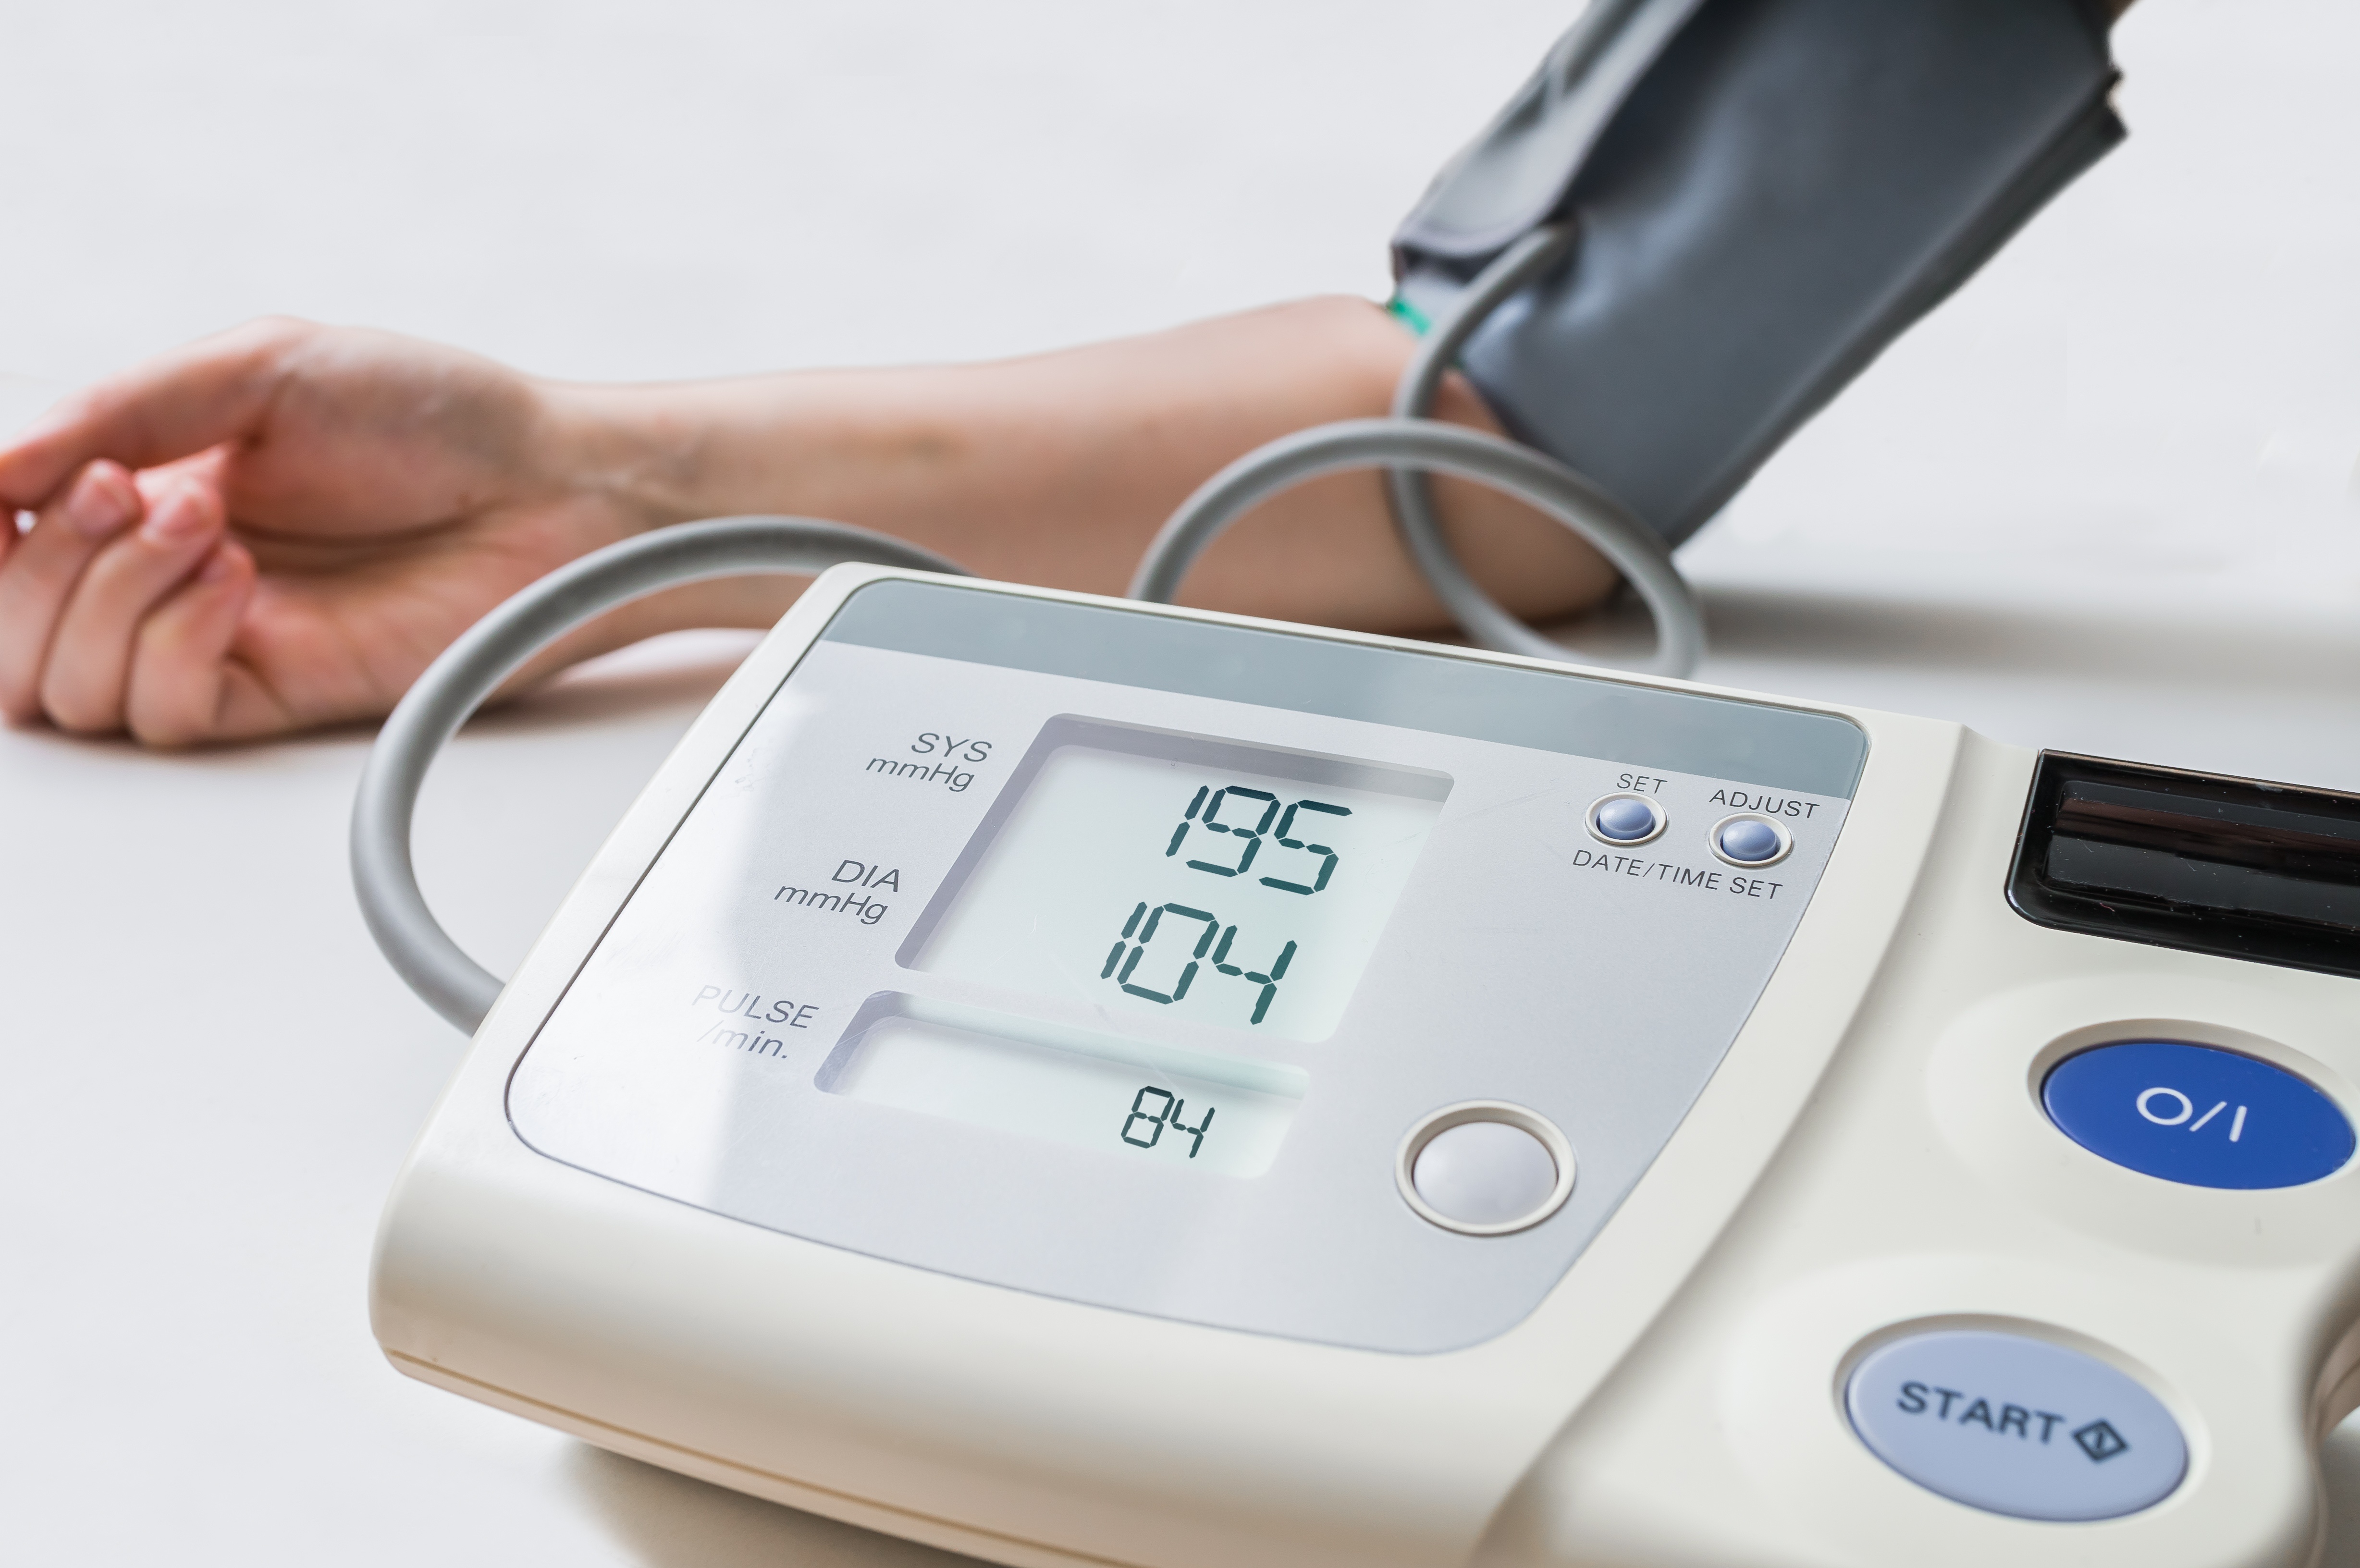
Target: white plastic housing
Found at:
1870, 1158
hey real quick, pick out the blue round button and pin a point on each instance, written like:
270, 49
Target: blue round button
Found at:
2198, 1114
2016, 1425
1749, 841
1626, 819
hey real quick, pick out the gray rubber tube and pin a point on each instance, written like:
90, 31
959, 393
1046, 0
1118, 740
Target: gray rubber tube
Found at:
1411, 493
1535, 477
495, 647
1531, 477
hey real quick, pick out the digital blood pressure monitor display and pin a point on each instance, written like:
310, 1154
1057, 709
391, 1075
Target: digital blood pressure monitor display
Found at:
1154, 875
1279, 983
1233, 885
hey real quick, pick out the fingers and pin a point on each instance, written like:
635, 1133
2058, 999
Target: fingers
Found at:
215, 390
183, 687
86, 681
39, 574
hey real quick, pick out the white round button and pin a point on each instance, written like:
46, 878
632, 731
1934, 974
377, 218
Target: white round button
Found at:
1485, 1168
1484, 1173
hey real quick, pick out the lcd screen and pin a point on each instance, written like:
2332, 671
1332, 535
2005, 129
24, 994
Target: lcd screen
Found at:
1183, 1110
1244, 886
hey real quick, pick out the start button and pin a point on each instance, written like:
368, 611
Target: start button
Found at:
2016, 1425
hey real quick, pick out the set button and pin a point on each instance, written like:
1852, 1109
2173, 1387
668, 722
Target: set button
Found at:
2016, 1425
1626, 819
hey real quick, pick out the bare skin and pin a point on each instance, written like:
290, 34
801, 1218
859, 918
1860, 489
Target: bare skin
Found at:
280, 527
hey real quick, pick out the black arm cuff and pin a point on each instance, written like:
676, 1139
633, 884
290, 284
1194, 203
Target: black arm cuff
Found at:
1767, 192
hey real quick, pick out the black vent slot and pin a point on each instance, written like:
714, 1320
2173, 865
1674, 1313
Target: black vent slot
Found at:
2233, 867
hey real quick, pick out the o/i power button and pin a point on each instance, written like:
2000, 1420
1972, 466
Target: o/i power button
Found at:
2197, 1114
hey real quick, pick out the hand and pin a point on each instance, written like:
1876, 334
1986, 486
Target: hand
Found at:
279, 528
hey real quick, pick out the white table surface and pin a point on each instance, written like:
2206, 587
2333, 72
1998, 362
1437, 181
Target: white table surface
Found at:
2105, 500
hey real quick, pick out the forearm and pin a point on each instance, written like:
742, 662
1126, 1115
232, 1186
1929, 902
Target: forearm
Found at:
1058, 469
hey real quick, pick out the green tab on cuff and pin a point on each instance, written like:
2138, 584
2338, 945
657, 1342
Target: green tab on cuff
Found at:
1413, 318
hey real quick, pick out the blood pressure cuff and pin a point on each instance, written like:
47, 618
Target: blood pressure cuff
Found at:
1767, 192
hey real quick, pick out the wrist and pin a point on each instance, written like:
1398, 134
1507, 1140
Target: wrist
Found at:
637, 452
640, 458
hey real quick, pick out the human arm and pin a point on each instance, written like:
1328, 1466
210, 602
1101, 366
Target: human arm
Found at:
279, 528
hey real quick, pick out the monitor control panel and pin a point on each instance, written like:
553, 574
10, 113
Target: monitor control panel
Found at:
1170, 968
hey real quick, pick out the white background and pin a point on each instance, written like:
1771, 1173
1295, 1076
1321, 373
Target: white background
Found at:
2105, 500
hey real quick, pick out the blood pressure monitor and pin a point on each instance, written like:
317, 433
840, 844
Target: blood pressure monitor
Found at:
1079, 1082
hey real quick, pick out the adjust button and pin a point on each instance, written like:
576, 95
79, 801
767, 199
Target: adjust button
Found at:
1748, 839
2197, 1114
2016, 1425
